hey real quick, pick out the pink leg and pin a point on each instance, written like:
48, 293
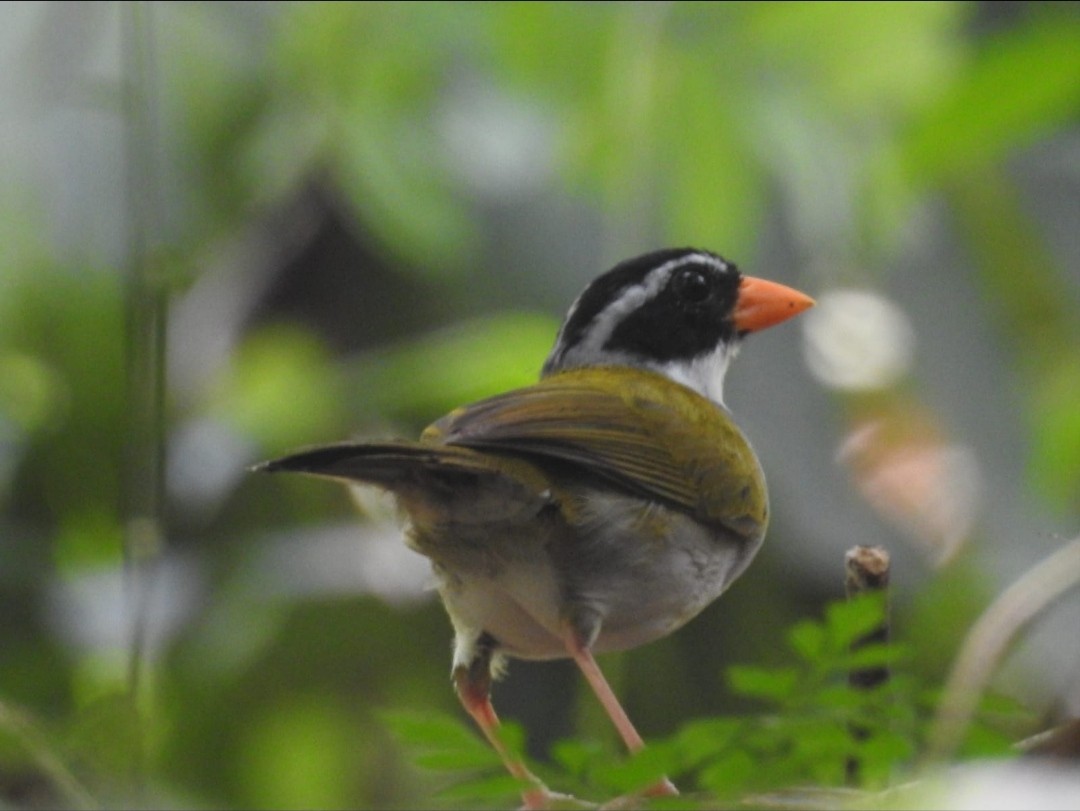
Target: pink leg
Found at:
588, 666
474, 691
585, 661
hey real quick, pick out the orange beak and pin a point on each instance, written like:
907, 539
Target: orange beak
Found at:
764, 304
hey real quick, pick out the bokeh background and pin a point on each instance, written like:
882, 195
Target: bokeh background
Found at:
231, 229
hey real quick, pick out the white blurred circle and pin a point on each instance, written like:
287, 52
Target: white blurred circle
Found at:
857, 340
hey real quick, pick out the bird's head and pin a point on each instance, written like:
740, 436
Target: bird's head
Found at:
681, 312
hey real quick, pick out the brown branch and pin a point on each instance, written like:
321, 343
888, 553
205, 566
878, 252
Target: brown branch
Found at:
866, 569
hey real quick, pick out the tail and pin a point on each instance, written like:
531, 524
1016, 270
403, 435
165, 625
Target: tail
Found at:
436, 483
380, 463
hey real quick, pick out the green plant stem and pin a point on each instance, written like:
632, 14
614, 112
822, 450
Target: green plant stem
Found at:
25, 732
146, 309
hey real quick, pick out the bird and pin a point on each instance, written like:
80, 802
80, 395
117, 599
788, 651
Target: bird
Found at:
600, 508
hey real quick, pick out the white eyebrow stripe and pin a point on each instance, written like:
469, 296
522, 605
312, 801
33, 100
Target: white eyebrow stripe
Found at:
603, 325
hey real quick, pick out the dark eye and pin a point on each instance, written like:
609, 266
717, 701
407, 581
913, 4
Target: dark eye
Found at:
692, 285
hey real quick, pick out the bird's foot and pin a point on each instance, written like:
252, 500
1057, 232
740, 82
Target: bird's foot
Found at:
541, 798
663, 788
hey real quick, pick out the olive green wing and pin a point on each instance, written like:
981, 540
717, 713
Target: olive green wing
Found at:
637, 430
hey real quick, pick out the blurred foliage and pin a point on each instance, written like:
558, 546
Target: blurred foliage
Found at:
457, 365
669, 123
275, 366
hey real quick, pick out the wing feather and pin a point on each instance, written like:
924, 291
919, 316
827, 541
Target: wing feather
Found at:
638, 430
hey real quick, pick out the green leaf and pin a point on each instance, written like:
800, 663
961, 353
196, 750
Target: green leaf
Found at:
840, 696
436, 732
699, 740
983, 741
881, 58
32, 392
772, 684
824, 751
452, 366
882, 753
500, 788
457, 759
1002, 706
728, 775
848, 621
512, 735
577, 756
641, 770
282, 389
872, 655
1055, 424
1024, 83
807, 639
109, 734
298, 752
373, 70
705, 153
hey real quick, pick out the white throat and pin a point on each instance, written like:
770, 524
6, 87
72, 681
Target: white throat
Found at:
704, 374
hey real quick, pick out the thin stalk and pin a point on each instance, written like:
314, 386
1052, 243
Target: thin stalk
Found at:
989, 639
146, 314
866, 569
18, 724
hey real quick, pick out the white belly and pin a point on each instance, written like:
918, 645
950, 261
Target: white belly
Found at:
640, 590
